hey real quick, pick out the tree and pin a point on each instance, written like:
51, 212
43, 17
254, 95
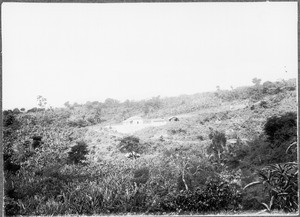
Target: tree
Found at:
218, 143
281, 129
42, 101
109, 102
16, 111
152, 104
78, 153
75, 104
256, 81
68, 105
130, 144
269, 87
98, 111
217, 94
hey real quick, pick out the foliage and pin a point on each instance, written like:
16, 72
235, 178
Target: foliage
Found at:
217, 195
25, 167
16, 111
256, 81
141, 175
78, 153
130, 144
42, 101
258, 91
281, 181
218, 144
152, 105
281, 129
62, 176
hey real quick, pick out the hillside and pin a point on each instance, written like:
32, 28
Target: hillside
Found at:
235, 118
200, 161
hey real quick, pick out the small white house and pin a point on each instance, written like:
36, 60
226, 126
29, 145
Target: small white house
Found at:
134, 120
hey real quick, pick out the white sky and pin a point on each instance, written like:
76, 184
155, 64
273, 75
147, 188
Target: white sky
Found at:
86, 52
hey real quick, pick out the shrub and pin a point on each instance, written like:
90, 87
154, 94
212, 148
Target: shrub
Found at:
269, 87
218, 144
9, 165
200, 138
263, 104
78, 123
9, 119
130, 144
16, 111
37, 140
177, 131
141, 175
280, 129
281, 182
78, 153
271, 146
11, 207
217, 195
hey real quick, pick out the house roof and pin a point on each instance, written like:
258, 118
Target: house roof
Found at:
134, 118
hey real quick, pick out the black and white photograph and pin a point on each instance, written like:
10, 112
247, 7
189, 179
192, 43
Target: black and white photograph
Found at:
149, 108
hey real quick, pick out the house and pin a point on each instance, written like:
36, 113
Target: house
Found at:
173, 118
134, 120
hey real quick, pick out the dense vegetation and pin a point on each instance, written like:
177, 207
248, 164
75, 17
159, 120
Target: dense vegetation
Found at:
56, 163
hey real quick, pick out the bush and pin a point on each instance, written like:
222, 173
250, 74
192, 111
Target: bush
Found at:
78, 153
9, 120
271, 146
281, 129
141, 176
177, 131
11, 207
200, 138
130, 144
78, 123
281, 183
269, 87
218, 195
218, 144
16, 111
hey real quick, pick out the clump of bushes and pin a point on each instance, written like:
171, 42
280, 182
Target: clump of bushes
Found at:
132, 145
258, 91
281, 129
177, 131
78, 123
217, 195
141, 175
78, 153
281, 183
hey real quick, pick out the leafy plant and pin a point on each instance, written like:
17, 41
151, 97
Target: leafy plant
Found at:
78, 153
130, 144
281, 181
280, 129
218, 145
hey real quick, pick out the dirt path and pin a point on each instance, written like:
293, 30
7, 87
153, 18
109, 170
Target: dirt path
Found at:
129, 129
